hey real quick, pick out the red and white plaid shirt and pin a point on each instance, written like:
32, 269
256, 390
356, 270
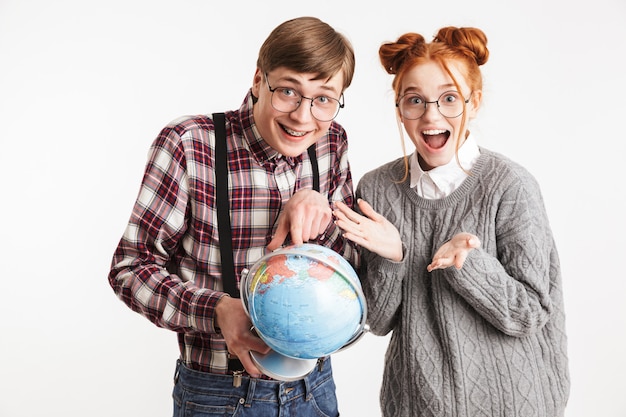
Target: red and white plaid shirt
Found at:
167, 265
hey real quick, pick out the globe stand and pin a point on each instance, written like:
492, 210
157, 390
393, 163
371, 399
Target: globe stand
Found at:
281, 367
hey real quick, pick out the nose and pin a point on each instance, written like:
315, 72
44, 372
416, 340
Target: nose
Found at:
303, 112
434, 105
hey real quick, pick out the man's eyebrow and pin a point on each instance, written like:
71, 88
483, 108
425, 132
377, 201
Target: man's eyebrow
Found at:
299, 83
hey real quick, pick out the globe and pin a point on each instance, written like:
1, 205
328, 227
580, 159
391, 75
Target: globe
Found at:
304, 301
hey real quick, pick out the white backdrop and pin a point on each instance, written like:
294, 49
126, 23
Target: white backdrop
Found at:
86, 86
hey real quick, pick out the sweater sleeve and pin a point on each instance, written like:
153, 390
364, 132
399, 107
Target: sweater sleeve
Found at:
381, 278
507, 280
382, 286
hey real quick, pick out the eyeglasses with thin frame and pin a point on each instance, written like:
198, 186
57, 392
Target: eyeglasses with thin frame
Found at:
450, 104
287, 100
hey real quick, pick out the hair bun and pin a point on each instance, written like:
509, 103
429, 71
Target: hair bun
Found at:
394, 54
470, 41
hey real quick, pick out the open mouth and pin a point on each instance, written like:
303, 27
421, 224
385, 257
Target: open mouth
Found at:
436, 139
295, 133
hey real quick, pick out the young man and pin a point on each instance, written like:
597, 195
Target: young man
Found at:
168, 265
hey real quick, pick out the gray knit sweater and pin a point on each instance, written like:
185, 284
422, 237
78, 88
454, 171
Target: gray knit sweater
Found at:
488, 339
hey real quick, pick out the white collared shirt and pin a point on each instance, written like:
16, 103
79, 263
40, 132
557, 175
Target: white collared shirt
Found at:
441, 181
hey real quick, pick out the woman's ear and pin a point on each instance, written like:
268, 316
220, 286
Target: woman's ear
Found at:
475, 101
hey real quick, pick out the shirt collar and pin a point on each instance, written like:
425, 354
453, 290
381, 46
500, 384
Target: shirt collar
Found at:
441, 181
261, 150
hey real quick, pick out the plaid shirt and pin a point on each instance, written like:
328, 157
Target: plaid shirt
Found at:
167, 264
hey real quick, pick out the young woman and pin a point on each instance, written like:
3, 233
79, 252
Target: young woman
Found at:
458, 259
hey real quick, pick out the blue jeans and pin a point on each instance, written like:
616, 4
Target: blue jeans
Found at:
200, 394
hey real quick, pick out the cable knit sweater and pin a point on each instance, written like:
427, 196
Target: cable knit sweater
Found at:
488, 339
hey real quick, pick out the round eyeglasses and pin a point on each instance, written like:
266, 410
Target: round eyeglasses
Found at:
287, 100
450, 104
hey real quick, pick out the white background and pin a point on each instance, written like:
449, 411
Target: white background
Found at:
86, 86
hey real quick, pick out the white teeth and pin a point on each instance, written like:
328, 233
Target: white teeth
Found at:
294, 132
433, 132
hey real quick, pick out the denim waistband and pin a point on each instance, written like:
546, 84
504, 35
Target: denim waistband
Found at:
252, 389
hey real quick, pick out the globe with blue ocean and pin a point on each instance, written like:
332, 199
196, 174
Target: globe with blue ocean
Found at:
304, 301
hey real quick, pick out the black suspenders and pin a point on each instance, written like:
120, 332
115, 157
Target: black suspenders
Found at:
223, 208
315, 167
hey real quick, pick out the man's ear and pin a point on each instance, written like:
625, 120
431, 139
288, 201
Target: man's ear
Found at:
256, 82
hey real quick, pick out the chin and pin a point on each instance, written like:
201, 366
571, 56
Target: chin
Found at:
295, 148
